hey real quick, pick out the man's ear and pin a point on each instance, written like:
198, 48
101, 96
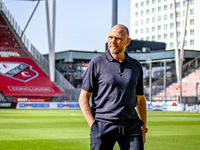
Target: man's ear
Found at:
128, 41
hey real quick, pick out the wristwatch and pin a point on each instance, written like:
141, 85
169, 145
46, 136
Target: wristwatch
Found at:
145, 130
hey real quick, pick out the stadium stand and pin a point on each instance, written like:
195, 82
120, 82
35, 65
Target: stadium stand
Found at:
190, 84
24, 72
8, 43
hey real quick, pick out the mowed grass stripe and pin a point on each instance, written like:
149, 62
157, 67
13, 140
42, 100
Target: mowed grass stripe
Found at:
173, 131
43, 129
68, 130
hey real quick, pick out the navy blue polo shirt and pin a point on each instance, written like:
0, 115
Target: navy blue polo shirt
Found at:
114, 87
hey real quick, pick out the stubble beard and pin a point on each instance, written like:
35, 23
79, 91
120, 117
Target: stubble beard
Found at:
115, 51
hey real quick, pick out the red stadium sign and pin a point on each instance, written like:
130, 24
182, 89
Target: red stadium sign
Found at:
31, 99
22, 77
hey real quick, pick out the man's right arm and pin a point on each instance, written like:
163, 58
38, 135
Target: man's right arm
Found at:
85, 106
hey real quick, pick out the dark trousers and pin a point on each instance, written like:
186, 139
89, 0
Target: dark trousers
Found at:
104, 135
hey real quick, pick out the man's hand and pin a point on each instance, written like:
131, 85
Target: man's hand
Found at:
144, 138
85, 106
142, 112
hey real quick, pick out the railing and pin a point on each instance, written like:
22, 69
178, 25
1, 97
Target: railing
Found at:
60, 80
70, 90
198, 92
191, 66
187, 69
40, 58
2, 98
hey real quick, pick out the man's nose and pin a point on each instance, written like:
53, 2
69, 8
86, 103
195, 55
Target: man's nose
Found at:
113, 40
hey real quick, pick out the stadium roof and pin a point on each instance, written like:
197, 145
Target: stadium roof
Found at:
71, 55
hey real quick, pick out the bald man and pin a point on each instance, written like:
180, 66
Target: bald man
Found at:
114, 82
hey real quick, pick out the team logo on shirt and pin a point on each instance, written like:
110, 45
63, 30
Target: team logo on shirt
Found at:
18, 71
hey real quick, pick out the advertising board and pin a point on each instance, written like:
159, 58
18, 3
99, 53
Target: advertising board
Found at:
165, 106
31, 99
173, 107
192, 107
47, 105
8, 105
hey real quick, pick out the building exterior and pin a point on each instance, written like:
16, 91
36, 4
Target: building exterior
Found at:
154, 20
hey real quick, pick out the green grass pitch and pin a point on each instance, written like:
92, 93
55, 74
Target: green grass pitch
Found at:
68, 130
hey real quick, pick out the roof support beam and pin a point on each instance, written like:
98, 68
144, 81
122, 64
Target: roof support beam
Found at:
51, 39
30, 17
114, 12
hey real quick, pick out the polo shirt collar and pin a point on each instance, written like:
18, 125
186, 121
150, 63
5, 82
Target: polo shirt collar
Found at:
110, 58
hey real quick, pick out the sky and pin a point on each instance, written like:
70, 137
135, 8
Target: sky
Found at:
80, 24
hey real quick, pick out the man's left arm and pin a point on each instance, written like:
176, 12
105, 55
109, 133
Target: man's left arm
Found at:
142, 112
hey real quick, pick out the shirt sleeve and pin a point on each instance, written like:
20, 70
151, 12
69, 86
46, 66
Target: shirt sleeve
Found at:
89, 79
